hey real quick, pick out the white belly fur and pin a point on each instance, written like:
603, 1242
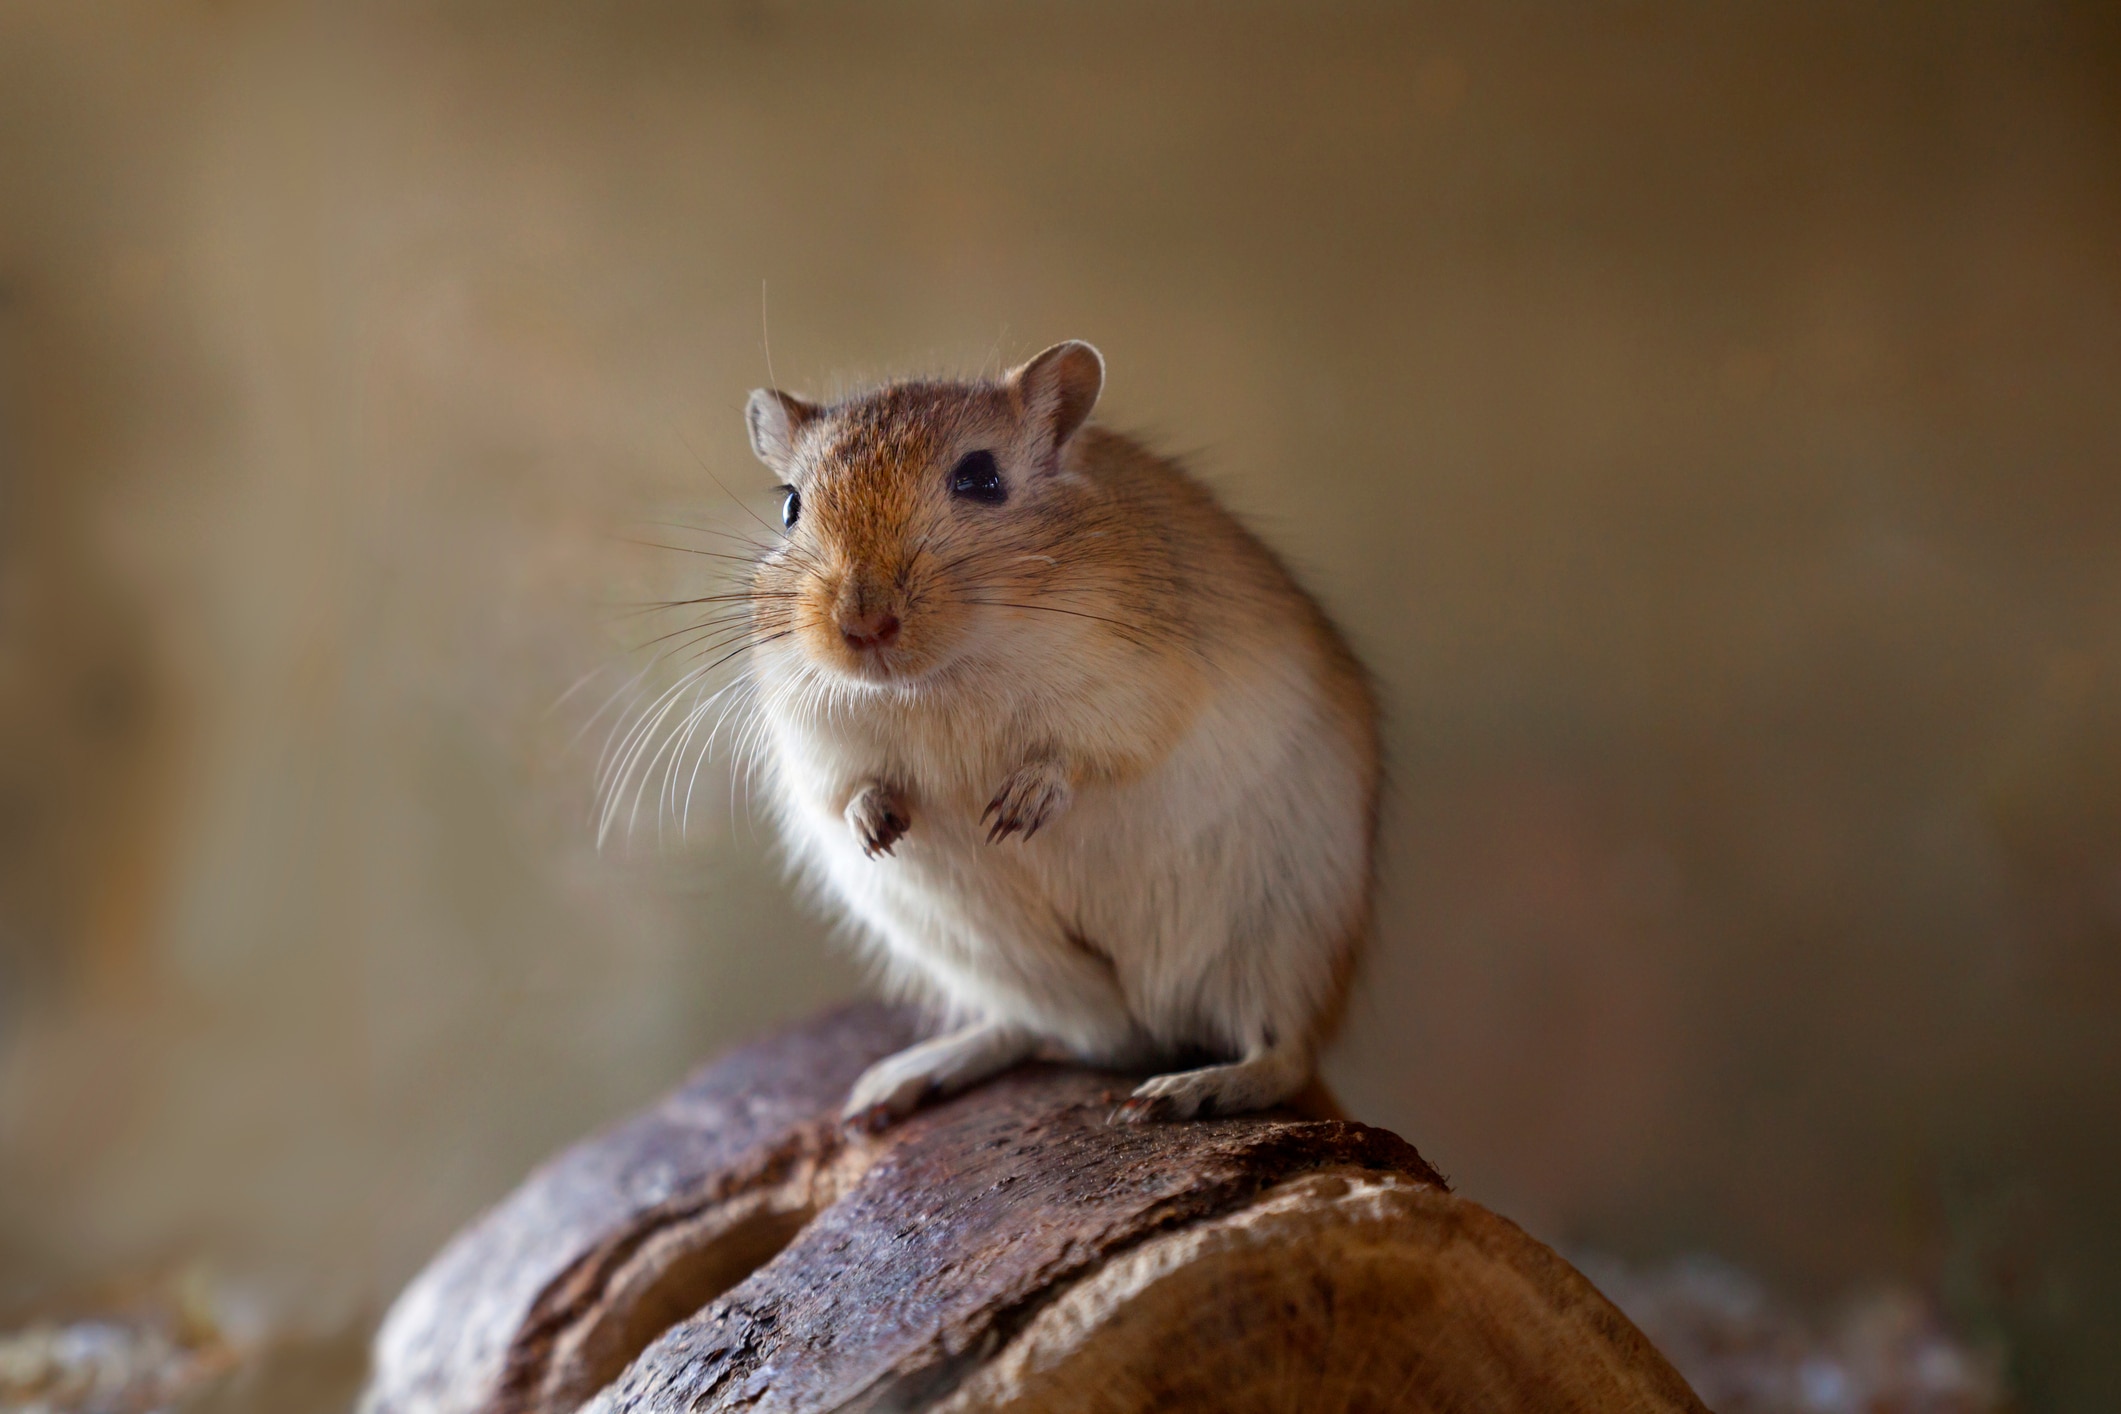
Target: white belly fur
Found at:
1216, 893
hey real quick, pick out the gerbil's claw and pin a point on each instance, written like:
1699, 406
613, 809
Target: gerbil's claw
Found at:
878, 819
890, 830
1144, 1109
874, 1120
1032, 795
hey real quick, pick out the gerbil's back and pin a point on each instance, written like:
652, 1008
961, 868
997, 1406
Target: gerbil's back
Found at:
1185, 560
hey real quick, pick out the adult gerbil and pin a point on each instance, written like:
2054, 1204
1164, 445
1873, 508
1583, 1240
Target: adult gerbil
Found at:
1071, 748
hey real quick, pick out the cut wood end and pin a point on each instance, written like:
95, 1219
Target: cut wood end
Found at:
1340, 1290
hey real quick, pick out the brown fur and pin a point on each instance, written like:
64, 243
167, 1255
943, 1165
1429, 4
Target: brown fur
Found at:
1108, 575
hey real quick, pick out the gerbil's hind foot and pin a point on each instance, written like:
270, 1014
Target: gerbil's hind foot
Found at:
1259, 1081
899, 1084
1032, 795
878, 818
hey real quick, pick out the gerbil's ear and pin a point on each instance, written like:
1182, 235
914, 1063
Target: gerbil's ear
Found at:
1059, 387
773, 418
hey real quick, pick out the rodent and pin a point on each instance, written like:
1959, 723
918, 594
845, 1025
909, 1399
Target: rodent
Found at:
1079, 759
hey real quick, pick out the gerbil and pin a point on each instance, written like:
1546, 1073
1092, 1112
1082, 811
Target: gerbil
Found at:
1067, 743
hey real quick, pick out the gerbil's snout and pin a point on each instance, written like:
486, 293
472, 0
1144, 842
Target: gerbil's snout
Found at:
871, 628
865, 617
864, 614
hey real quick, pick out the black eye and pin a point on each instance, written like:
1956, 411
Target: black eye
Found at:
791, 506
977, 478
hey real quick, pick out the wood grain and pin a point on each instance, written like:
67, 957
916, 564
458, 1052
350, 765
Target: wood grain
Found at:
1010, 1249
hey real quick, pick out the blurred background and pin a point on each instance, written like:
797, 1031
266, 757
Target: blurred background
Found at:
1706, 420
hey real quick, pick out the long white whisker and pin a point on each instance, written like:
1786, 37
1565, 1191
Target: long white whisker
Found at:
579, 683
701, 707
680, 739
630, 749
739, 701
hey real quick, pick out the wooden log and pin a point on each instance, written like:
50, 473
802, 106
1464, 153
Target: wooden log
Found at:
1010, 1249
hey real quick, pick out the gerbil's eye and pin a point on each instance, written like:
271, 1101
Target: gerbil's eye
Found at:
791, 506
977, 478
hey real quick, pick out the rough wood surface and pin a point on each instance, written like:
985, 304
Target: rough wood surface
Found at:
1010, 1249
514, 1312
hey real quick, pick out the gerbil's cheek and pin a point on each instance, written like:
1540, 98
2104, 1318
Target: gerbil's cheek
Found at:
819, 630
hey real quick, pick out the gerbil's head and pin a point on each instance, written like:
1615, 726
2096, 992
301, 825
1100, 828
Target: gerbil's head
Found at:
914, 511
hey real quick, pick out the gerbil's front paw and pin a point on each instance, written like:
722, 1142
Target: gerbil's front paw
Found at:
1033, 795
878, 818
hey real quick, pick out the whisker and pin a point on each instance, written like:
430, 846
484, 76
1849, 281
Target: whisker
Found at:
725, 489
648, 743
672, 753
609, 759
677, 763
723, 605
761, 643
1074, 613
741, 647
661, 724
760, 552
686, 550
724, 621
701, 529
579, 683
594, 717
736, 596
743, 538
611, 784
642, 737
685, 816
714, 635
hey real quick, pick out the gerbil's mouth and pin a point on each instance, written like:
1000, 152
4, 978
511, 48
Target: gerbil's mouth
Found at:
873, 663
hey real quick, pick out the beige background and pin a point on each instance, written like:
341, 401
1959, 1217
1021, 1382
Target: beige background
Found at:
1706, 419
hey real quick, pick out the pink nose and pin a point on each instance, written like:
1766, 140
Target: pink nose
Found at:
875, 629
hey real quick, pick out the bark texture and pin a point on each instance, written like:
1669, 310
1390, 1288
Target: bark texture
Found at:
731, 1248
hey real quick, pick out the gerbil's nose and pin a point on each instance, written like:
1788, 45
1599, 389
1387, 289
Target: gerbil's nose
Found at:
868, 628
